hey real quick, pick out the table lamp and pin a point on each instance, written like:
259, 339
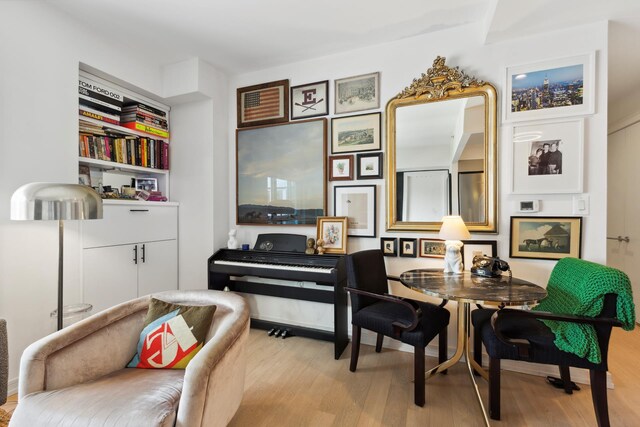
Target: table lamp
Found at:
44, 201
452, 232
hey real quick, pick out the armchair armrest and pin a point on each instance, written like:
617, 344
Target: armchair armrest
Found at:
413, 307
394, 278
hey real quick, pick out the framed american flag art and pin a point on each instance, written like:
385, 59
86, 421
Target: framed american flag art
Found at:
263, 104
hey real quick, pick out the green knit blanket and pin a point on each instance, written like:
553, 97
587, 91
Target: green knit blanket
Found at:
578, 287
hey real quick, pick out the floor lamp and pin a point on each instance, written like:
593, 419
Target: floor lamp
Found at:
45, 201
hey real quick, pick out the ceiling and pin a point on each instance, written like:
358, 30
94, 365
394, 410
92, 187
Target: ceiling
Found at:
244, 35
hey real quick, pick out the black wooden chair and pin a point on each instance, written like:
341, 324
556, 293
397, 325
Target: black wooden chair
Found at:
412, 322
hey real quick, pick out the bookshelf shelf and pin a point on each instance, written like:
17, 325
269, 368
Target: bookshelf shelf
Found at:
123, 167
120, 129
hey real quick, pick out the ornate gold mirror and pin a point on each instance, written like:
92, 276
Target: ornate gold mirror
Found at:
441, 152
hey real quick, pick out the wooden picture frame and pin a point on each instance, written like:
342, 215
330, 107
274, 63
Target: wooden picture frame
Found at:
551, 238
408, 247
357, 93
281, 173
389, 246
340, 168
263, 104
332, 230
432, 248
369, 166
472, 248
356, 133
358, 204
310, 100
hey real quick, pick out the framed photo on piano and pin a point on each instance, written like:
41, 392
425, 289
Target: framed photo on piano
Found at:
332, 230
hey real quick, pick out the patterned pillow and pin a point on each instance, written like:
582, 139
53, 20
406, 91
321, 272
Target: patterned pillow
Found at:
172, 335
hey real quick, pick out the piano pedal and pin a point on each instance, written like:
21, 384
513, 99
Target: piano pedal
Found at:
278, 332
271, 331
286, 334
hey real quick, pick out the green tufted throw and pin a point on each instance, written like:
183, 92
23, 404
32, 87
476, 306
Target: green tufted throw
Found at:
578, 287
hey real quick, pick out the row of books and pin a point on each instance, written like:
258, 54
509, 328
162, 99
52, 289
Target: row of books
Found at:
136, 151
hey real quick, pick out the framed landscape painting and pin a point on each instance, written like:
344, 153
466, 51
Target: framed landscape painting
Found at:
355, 133
546, 237
263, 104
281, 173
357, 93
369, 166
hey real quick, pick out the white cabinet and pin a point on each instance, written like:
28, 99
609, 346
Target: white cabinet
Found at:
131, 252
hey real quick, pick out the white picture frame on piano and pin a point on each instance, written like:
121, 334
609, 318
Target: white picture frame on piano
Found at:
358, 204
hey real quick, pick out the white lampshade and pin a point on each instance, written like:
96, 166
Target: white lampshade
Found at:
53, 201
453, 228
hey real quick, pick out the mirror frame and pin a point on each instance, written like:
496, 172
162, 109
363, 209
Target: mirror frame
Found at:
442, 83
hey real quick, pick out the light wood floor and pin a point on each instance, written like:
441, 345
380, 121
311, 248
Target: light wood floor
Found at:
296, 382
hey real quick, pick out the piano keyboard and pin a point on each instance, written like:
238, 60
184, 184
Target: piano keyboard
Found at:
323, 270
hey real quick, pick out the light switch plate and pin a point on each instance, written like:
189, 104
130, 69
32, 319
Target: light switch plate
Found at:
581, 204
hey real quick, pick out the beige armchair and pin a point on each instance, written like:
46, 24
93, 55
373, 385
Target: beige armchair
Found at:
77, 376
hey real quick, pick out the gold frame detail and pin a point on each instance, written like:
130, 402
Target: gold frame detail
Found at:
343, 235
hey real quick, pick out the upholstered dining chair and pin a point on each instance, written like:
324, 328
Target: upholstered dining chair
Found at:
570, 328
412, 322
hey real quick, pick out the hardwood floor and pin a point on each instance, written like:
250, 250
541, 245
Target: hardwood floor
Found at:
296, 382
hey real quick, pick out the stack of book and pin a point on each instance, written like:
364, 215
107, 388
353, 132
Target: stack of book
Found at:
99, 102
145, 118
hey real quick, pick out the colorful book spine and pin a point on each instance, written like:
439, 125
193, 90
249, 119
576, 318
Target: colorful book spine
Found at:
146, 129
98, 116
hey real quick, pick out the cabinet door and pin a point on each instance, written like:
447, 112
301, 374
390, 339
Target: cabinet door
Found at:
110, 276
159, 270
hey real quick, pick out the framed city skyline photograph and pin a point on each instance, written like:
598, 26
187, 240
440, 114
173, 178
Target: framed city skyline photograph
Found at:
389, 246
333, 232
356, 133
263, 104
555, 88
549, 238
358, 204
357, 93
310, 100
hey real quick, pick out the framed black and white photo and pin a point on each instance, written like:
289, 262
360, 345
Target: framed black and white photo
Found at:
408, 247
545, 237
357, 93
369, 166
548, 156
310, 100
355, 133
471, 248
556, 88
389, 246
358, 204
340, 168
147, 184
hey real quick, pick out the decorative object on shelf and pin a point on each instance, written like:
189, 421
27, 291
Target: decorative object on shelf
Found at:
555, 88
432, 248
357, 93
408, 247
453, 231
310, 100
311, 246
232, 243
355, 133
340, 168
389, 246
263, 104
369, 166
84, 175
472, 248
332, 230
548, 156
281, 173
545, 237
320, 246
147, 184
358, 204
43, 201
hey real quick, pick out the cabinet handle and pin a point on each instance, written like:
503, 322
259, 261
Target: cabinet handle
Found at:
135, 254
138, 210
143, 252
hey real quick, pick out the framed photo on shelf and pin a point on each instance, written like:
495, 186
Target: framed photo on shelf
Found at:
369, 166
471, 248
340, 168
545, 237
147, 184
432, 248
389, 246
263, 104
556, 88
355, 133
408, 247
310, 100
332, 230
281, 173
358, 204
357, 93
548, 156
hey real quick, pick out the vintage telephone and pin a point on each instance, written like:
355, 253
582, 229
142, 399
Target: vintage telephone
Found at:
488, 266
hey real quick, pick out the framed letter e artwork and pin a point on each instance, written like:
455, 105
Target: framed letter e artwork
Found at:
310, 100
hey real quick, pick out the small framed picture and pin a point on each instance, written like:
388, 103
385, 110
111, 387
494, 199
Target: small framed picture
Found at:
263, 104
389, 246
310, 100
471, 248
355, 133
340, 168
408, 247
545, 237
358, 204
357, 93
432, 248
332, 230
147, 184
369, 166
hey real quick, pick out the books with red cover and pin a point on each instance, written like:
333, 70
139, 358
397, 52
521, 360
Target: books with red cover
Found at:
97, 116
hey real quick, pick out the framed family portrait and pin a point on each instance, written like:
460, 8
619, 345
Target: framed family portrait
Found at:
147, 184
281, 173
357, 93
340, 168
358, 204
310, 100
369, 166
389, 246
556, 88
548, 156
355, 133
408, 247
332, 231
432, 248
263, 104
471, 248
545, 237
